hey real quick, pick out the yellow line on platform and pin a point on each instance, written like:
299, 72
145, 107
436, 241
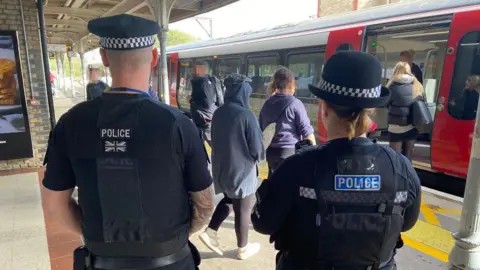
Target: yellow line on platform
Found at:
428, 213
449, 211
429, 239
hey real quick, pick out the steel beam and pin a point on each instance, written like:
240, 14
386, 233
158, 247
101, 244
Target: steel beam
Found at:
65, 22
74, 12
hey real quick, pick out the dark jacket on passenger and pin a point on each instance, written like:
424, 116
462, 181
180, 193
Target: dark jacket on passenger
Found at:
417, 72
207, 96
237, 142
401, 101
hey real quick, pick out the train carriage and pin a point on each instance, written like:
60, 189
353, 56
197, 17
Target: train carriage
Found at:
445, 36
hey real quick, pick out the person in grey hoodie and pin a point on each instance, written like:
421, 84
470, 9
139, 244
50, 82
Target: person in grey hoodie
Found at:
237, 147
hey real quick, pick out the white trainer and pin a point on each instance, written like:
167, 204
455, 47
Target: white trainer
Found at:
248, 251
210, 239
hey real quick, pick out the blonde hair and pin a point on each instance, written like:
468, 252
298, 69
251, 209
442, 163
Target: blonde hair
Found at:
403, 68
356, 121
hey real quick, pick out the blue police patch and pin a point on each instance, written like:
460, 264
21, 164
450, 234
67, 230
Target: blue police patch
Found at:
358, 182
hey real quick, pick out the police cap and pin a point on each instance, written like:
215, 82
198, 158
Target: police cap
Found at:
124, 32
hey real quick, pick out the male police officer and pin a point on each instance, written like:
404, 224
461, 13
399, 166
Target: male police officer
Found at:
139, 165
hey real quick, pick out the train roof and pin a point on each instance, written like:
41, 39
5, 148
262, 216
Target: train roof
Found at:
368, 16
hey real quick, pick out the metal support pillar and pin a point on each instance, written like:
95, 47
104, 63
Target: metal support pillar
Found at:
71, 76
46, 63
58, 83
62, 62
162, 14
466, 252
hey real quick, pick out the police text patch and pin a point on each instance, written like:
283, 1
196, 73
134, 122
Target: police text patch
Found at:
358, 182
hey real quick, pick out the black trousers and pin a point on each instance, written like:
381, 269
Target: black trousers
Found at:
184, 264
283, 262
275, 156
242, 209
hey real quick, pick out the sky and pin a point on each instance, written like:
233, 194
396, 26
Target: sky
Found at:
249, 15
242, 16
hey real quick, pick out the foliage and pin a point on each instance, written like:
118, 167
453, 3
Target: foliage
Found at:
175, 37
76, 67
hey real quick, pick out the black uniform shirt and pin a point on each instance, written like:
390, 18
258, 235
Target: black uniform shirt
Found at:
167, 153
287, 211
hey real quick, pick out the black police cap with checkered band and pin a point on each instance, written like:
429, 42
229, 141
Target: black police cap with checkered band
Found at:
124, 32
352, 79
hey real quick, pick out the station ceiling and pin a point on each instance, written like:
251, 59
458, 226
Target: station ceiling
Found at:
66, 20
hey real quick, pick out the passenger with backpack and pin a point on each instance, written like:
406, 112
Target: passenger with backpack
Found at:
207, 96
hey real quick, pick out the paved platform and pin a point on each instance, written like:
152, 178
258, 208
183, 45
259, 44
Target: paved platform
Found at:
32, 239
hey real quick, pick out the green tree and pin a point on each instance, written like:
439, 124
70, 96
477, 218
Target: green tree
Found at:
175, 37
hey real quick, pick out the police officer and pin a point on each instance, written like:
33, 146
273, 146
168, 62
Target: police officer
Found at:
341, 205
139, 165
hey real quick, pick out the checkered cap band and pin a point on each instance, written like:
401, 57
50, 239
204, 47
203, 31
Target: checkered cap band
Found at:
126, 43
350, 92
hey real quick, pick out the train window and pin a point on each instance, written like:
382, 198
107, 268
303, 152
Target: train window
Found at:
307, 68
344, 47
228, 66
463, 97
184, 85
260, 70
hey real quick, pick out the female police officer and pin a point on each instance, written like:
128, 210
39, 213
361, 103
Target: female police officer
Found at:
341, 205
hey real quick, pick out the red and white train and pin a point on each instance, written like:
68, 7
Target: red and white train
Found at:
444, 34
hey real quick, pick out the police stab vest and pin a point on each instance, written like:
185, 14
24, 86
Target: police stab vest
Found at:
137, 178
360, 207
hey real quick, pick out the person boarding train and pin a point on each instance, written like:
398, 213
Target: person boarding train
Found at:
139, 165
341, 205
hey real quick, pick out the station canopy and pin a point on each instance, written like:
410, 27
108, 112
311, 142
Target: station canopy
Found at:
66, 20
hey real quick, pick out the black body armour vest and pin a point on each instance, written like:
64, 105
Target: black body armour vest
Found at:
138, 205
360, 206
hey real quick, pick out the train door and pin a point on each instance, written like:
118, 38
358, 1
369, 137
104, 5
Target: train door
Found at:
172, 78
339, 40
457, 102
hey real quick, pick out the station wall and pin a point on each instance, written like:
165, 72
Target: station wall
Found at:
10, 19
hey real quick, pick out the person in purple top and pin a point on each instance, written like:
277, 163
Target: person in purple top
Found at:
289, 115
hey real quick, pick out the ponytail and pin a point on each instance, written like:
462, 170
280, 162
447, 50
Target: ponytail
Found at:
356, 121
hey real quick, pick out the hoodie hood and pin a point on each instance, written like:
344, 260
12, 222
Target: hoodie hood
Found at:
238, 90
403, 79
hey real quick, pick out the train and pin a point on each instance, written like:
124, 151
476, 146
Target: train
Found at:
445, 35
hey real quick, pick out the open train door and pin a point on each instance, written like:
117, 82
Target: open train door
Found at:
453, 127
341, 40
172, 78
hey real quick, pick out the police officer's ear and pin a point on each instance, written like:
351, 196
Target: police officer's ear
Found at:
324, 110
154, 57
103, 54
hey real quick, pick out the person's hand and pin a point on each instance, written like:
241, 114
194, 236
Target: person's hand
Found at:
189, 98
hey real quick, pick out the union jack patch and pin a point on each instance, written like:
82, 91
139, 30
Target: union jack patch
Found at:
116, 146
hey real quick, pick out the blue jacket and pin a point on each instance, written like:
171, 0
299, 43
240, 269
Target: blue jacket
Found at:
237, 143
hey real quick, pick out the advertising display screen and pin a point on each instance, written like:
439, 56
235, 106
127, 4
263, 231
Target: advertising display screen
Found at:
15, 139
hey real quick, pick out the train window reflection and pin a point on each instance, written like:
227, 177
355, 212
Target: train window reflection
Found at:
306, 67
260, 70
228, 66
184, 85
463, 97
